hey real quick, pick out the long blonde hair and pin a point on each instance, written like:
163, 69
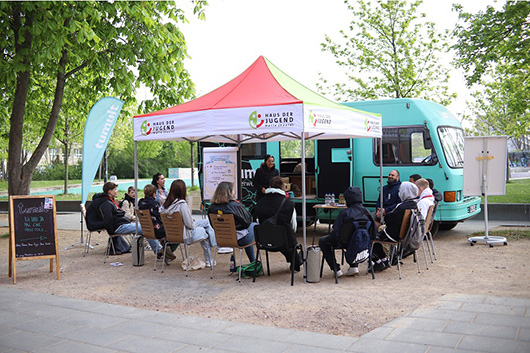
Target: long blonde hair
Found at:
223, 193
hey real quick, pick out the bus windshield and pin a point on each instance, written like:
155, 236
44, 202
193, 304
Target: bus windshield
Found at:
452, 140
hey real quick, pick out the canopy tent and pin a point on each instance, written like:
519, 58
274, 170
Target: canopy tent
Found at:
261, 104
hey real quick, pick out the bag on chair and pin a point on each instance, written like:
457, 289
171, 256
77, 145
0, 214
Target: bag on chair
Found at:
357, 250
414, 235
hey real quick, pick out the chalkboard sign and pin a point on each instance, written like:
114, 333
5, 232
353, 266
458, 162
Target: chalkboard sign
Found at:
33, 230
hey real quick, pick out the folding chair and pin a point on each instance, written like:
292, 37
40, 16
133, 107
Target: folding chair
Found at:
346, 232
396, 246
225, 234
89, 232
148, 230
174, 228
274, 238
429, 221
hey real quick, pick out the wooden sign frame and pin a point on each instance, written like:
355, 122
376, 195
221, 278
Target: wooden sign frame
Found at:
48, 205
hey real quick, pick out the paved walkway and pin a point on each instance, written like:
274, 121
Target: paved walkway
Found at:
32, 322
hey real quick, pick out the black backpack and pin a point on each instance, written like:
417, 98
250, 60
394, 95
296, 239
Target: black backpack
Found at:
359, 243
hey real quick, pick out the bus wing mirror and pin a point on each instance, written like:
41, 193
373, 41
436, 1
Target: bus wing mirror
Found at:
427, 141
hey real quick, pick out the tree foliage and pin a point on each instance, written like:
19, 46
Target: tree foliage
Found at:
92, 49
389, 51
493, 48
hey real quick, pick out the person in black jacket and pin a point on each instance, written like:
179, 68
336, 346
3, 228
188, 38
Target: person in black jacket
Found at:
223, 201
408, 192
354, 213
268, 206
104, 212
264, 175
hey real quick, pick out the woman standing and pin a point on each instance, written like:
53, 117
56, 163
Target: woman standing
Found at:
264, 175
161, 192
223, 200
193, 231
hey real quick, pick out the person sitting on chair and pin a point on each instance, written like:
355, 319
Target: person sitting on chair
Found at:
354, 213
223, 201
426, 199
148, 202
269, 205
104, 212
193, 231
390, 196
408, 192
128, 203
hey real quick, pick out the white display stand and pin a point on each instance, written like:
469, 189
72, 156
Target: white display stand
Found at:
220, 164
485, 174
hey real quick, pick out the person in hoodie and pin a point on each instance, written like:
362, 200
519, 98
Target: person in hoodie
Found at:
408, 192
354, 213
148, 202
223, 201
104, 212
193, 231
269, 205
128, 203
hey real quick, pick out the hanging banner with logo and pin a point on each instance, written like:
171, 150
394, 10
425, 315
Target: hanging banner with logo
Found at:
98, 129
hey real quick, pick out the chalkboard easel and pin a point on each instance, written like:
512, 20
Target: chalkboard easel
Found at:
32, 231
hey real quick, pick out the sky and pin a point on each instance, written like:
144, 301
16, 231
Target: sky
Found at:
289, 33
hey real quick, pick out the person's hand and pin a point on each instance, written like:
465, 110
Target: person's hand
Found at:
263, 190
378, 213
384, 212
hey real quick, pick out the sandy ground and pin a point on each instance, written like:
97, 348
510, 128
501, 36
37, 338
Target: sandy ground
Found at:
353, 307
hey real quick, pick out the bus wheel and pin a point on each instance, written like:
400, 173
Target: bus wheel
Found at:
448, 225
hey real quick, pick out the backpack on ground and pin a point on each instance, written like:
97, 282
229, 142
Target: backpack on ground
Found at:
357, 250
415, 233
247, 271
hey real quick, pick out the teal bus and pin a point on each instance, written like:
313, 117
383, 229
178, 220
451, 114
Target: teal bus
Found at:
419, 137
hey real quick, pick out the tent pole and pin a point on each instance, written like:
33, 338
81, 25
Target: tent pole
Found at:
304, 211
239, 186
381, 177
136, 181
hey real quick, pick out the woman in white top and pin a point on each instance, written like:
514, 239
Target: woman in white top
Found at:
193, 231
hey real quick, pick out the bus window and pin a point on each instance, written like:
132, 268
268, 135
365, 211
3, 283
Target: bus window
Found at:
452, 139
293, 149
404, 146
254, 150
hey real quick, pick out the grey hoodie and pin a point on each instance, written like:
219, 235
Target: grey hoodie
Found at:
182, 207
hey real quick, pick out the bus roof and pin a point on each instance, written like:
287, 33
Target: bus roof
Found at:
408, 111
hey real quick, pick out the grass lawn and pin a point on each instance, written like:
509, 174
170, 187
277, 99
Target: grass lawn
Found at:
517, 191
510, 234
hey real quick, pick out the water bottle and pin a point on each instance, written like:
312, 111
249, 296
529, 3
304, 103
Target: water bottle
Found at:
332, 199
232, 263
327, 200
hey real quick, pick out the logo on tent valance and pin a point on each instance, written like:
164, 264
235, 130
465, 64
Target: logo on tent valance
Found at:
267, 120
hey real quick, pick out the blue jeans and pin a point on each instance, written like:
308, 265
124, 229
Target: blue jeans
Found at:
130, 228
247, 239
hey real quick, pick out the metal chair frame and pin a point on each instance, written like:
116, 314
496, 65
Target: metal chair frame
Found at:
226, 236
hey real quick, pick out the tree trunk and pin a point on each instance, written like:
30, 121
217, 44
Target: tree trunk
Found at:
18, 183
66, 155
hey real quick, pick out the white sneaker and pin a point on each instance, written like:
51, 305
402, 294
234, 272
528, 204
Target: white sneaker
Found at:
352, 271
224, 250
208, 264
339, 273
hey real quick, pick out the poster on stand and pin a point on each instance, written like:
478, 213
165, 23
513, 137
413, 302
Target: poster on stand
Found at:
220, 164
